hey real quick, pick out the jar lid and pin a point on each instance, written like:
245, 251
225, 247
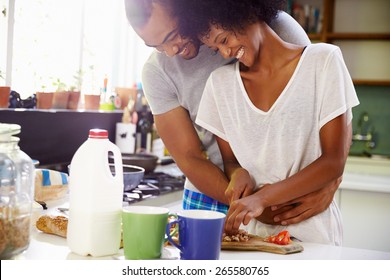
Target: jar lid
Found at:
8, 129
97, 133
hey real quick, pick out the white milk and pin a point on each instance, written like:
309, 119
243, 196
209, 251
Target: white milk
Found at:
95, 201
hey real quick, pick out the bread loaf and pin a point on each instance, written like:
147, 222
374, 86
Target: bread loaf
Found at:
57, 225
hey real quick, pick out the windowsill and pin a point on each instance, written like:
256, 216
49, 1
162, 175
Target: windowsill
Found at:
60, 110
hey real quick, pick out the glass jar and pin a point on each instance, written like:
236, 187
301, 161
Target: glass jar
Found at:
16, 193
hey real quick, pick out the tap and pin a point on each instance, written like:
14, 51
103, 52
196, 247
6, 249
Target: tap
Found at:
365, 131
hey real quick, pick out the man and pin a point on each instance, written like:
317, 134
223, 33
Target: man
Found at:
173, 79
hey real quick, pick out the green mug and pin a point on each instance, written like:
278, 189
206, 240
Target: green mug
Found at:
144, 231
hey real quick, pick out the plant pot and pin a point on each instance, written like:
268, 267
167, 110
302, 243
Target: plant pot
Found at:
60, 99
4, 97
44, 100
73, 101
125, 94
92, 101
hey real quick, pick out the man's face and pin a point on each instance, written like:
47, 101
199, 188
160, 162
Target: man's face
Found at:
161, 33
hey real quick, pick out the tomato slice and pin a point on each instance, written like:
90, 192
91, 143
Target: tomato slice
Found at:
270, 239
282, 238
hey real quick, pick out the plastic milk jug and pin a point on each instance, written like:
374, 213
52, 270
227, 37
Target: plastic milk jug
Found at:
95, 197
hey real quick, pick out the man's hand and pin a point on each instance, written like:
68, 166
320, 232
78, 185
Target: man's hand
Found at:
302, 208
240, 185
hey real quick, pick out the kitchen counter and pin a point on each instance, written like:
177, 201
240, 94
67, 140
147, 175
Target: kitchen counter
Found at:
44, 246
367, 174
368, 166
50, 247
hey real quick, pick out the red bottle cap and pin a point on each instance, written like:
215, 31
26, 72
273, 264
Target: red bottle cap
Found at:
97, 133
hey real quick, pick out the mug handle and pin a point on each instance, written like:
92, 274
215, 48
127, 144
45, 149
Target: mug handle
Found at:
171, 234
174, 231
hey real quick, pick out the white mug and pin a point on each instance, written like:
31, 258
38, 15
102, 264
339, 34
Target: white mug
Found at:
125, 137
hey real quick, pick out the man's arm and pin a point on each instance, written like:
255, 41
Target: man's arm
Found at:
308, 205
177, 131
180, 138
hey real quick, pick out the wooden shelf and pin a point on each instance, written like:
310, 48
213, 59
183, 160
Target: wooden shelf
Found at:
348, 36
328, 35
315, 36
358, 36
371, 83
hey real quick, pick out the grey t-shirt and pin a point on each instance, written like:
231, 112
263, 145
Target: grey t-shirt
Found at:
170, 82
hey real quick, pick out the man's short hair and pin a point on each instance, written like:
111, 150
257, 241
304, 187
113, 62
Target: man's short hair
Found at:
138, 12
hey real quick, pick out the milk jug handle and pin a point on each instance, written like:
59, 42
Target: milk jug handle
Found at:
117, 156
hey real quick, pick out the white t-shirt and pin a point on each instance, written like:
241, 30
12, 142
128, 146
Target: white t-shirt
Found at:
276, 144
170, 82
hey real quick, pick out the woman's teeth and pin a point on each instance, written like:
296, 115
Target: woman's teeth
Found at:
240, 53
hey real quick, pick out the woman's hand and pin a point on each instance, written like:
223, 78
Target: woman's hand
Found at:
241, 211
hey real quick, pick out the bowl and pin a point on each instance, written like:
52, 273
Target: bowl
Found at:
132, 176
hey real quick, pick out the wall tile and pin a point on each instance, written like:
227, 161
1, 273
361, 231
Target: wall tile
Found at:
375, 100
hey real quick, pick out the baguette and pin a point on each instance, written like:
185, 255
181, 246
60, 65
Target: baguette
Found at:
57, 225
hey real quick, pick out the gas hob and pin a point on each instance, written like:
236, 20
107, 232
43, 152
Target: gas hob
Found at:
152, 185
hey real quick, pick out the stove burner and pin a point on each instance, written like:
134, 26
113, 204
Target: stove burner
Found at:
154, 184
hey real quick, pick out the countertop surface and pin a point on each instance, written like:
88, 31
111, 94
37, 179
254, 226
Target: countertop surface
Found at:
51, 247
366, 174
45, 246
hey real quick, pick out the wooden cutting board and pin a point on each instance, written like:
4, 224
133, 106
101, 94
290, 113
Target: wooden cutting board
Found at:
256, 243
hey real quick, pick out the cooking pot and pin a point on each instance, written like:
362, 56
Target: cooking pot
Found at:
146, 161
132, 176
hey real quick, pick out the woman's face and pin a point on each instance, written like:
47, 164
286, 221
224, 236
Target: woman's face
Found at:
243, 45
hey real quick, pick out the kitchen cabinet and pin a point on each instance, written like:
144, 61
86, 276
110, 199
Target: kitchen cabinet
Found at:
365, 219
364, 201
361, 29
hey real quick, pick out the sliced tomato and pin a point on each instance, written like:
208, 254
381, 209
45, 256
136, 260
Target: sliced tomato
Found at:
283, 238
270, 239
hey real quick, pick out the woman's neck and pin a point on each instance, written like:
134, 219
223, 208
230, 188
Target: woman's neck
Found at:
274, 53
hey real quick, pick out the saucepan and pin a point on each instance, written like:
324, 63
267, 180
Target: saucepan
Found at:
132, 176
146, 161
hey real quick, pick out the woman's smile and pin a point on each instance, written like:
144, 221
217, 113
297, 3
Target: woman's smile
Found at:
240, 53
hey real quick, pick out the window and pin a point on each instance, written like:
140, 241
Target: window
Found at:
67, 41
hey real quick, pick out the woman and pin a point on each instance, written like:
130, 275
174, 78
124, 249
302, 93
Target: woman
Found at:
282, 113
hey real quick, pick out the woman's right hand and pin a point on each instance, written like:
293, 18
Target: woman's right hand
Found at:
241, 211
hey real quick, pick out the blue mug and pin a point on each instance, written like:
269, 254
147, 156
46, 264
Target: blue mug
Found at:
200, 234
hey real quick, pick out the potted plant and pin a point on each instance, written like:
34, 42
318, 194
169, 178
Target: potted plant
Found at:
60, 96
4, 92
44, 97
92, 98
74, 90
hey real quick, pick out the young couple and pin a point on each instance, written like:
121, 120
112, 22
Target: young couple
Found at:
279, 107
